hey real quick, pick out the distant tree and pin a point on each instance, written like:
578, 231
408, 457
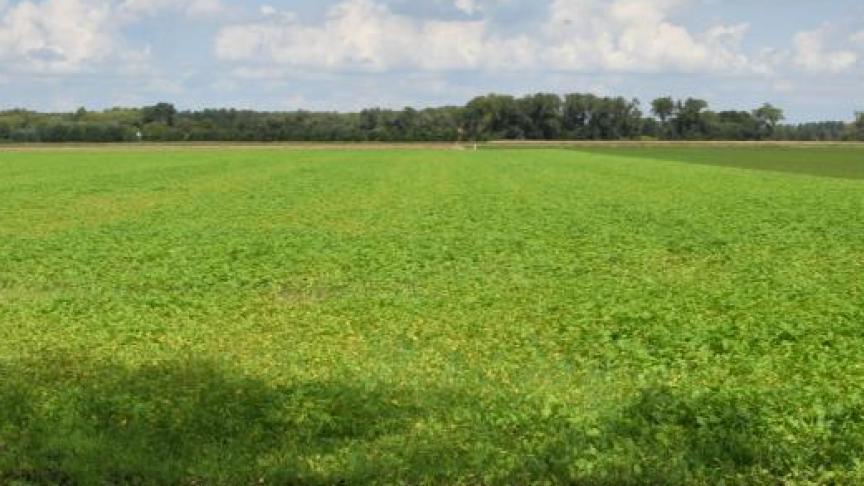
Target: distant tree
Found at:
615, 119
79, 114
859, 124
406, 124
494, 116
159, 113
663, 109
689, 121
630, 115
651, 128
578, 111
586, 116
831, 130
768, 117
541, 116
372, 124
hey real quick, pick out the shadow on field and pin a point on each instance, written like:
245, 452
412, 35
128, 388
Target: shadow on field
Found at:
667, 436
195, 422
179, 422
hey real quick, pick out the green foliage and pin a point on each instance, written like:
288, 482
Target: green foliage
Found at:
663, 108
430, 317
734, 125
691, 119
821, 131
859, 125
768, 117
163, 113
594, 118
542, 116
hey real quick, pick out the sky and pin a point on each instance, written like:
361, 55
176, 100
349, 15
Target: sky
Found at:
56, 55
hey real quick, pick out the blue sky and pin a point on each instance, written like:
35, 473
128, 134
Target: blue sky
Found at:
805, 56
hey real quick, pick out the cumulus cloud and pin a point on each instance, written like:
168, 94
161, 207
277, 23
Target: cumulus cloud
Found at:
622, 35
70, 35
637, 35
362, 34
192, 8
812, 54
469, 7
57, 34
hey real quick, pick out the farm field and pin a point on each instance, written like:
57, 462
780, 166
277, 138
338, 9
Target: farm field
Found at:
582, 316
837, 161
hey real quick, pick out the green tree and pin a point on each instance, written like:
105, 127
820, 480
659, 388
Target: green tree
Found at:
733, 125
494, 116
577, 114
859, 124
690, 120
159, 113
79, 114
663, 109
768, 117
541, 116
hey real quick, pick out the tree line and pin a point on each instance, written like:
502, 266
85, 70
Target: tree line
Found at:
541, 116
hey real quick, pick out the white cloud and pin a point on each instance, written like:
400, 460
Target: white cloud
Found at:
637, 35
811, 53
365, 35
469, 7
191, 8
857, 38
56, 35
63, 36
206, 7
624, 35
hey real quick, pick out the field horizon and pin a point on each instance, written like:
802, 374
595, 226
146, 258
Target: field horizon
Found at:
512, 144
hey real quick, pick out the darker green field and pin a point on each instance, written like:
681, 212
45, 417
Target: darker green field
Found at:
831, 161
629, 316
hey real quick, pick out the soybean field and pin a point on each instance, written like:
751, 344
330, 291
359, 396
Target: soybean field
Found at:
271, 315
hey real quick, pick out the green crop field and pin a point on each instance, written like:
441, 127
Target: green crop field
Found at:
582, 316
